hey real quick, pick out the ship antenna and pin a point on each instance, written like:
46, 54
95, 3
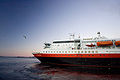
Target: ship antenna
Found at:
73, 36
79, 36
98, 34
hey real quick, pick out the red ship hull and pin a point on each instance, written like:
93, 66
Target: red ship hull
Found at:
81, 59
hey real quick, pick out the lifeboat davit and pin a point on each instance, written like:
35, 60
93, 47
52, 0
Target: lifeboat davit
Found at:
117, 43
90, 45
105, 43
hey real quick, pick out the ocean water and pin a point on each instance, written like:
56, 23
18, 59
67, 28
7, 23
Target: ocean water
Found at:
32, 69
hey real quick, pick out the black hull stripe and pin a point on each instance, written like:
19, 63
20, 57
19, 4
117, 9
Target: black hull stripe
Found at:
91, 62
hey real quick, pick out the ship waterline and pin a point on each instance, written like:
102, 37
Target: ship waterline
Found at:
104, 55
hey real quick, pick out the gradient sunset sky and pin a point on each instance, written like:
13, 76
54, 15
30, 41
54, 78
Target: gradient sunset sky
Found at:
46, 20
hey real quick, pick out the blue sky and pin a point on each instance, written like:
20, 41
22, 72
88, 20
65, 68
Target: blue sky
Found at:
46, 20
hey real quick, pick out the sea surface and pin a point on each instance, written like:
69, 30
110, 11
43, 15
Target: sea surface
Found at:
32, 69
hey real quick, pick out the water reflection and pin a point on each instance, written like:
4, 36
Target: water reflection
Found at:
60, 72
31, 69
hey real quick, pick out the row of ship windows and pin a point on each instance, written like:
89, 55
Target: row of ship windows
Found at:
63, 45
70, 51
107, 47
77, 55
89, 41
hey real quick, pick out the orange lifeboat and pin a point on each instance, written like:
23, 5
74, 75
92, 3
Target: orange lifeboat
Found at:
90, 45
117, 43
105, 43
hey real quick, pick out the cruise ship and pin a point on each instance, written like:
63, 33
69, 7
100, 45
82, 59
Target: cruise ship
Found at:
99, 51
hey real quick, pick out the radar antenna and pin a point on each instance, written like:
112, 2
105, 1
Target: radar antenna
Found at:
72, 36
98, 34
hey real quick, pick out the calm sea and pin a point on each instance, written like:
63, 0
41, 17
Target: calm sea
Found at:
31, 69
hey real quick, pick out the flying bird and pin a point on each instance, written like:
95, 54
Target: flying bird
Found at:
24, 36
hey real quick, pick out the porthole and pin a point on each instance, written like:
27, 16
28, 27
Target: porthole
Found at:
96, 51
85, 51
81, 51
88, 51
92, 51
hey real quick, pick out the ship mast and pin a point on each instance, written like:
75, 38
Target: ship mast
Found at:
98, 34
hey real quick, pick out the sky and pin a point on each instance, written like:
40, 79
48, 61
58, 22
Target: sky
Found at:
47, 20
